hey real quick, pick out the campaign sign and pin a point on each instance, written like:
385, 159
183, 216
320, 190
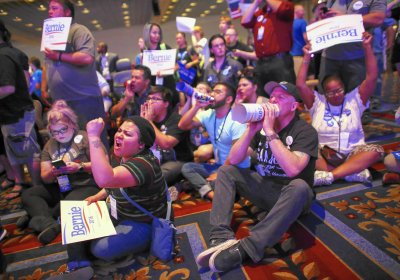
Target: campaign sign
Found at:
335, 30
160, 61
55, 33
80, 222
187, 75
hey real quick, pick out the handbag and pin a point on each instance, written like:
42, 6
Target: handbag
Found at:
332, 156
163, 230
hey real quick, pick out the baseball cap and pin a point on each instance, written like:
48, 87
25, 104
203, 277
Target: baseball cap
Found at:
288, 87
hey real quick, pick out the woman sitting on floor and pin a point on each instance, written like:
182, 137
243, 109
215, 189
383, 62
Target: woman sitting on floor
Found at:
337, 118
138, 172
71, 181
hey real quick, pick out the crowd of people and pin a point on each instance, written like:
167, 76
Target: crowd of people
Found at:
189, 139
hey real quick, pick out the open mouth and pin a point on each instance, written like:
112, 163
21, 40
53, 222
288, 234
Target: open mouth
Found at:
118, 143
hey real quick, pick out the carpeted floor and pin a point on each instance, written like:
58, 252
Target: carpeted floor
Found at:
352, 232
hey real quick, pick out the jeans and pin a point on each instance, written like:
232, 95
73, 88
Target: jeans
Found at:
172, 171
285, 204
275, 68
131, 238
351, 72
196, 174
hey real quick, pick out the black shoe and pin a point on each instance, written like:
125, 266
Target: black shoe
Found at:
83, 273
227, 258
215, 245
23, 222
49, 234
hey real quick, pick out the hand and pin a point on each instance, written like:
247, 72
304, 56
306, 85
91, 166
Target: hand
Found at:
91, 199
70, 167
269, 118
129, 94
306, 51
95, 127
55, 172
53, 55
367, 40
332, 13
147, 111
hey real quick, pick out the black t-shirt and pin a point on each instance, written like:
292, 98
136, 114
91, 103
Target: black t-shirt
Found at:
297, 136
182, 151
12, 64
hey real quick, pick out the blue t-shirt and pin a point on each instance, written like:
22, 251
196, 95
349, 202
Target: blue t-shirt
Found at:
36, 78
299, 27
222, 132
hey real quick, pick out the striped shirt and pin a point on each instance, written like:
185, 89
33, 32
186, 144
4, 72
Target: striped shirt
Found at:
149, 193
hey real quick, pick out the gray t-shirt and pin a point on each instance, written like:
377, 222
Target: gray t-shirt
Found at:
352, 50
71, 82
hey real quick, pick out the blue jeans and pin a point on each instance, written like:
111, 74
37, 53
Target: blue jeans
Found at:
285, 204
196, 174
131, 238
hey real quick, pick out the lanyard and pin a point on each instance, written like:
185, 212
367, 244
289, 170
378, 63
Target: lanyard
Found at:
223, 124
338, 122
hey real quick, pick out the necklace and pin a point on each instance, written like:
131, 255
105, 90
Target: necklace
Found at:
215, 124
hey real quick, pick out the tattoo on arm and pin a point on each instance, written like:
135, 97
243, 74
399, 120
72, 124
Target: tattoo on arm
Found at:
96, 144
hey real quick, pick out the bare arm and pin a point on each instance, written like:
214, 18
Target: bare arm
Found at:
306, 93
164, 141
373, 19
246, 18
367, 87
76, 58
241, 148
189, 120
245, 55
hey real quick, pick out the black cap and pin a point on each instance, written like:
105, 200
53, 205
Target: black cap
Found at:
147, 134
288, 87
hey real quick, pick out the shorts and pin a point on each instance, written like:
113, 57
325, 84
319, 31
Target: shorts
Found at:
20, 140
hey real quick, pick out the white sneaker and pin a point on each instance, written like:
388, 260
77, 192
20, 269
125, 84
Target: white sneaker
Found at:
173, 193
322, 178
363, 177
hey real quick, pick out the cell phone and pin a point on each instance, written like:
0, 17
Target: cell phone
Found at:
324, 10
58, 163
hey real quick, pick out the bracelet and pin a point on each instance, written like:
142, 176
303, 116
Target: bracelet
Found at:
59, 56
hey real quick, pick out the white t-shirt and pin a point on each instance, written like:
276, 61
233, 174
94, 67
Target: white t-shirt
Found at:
325, 120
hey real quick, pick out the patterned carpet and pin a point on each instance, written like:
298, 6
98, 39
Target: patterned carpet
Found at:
352, 232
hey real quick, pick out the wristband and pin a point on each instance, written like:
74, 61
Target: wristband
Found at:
59, 56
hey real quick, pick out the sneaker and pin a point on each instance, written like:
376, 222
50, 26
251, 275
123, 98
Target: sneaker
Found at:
173, 193
3, 233
22, 222
363, 177
82, 273
322, 178
219, 244
49, 234
227, 257
391, 178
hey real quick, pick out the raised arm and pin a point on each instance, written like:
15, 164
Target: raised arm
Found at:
367, 87
247, 17
305, 92
189, 120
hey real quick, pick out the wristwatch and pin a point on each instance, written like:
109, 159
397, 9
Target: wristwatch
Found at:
81, 167
272, 137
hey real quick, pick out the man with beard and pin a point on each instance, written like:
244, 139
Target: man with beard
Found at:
223, 133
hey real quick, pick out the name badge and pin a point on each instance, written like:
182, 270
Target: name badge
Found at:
260, 33
64, 184
113, 204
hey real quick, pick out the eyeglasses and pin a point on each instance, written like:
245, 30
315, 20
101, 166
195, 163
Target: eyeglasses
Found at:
61, 131
154, 99
334, 92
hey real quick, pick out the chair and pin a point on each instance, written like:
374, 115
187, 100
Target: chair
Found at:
121, 76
